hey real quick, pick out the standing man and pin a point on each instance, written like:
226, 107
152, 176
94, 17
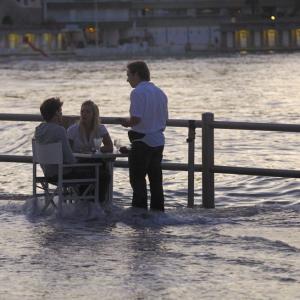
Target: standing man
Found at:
148, 116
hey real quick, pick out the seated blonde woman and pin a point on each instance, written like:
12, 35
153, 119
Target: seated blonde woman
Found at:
81, 135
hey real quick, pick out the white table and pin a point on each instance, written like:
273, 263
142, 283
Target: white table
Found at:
109, 159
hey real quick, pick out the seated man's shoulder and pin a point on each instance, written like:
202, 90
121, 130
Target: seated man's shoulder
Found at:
59, 132
56, 130
55, 126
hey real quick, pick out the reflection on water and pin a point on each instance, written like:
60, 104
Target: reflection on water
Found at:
224, 253
247, 248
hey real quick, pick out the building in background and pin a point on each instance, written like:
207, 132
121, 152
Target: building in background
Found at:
263, 25
149, 26
22, 28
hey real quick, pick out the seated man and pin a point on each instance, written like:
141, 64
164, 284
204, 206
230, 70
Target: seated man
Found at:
51, 131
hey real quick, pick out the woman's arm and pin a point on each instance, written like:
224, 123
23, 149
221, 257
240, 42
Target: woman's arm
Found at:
107, 144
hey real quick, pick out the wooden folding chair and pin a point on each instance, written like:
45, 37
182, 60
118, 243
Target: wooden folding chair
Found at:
67, 189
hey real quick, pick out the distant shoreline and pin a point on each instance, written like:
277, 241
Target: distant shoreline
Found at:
72, 55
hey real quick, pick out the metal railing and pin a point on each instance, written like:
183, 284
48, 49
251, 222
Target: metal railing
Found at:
208, 168
190, 167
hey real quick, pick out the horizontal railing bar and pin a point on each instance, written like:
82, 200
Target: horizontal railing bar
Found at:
183, 123
171, 123
15, 158
256, 171
15, 197
20, 117
165, 166
118, 163
105, 120
183, 167
256, 126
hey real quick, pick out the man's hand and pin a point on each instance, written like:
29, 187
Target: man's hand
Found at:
129, 122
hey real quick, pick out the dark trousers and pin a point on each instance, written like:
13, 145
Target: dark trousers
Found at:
145, 160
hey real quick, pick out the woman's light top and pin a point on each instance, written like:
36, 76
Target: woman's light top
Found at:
82, 143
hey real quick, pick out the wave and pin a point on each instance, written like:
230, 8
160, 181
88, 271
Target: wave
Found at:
264, 214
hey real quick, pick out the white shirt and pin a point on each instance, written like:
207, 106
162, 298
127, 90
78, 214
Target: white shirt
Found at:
150, 104
82, 145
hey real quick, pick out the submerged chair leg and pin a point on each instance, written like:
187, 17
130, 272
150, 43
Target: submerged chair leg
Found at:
60, 203
49, 197
48, 201
35, 198
60, 190
96, 190
34, 186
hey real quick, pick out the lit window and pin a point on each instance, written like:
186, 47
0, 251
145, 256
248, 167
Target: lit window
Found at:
91, 29
146, 11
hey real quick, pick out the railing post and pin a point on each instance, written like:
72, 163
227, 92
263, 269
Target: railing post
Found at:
191, 162
208, 180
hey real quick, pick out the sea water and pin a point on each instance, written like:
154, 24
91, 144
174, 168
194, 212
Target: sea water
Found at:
248, 247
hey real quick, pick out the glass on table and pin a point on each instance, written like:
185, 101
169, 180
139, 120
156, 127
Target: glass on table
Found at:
117, 144
97, 144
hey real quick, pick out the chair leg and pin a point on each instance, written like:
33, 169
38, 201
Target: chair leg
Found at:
49, 198
34, 195
78, 194
34, 186
96, 190
60, 202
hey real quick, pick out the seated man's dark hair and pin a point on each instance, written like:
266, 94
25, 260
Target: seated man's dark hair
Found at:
49, 108
141, 68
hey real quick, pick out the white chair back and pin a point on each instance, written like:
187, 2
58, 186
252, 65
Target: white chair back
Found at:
47, 153
66, 188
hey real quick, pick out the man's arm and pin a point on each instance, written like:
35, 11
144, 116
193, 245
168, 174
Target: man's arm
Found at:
131, 121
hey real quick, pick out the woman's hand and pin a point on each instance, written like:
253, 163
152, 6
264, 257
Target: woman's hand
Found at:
107, 144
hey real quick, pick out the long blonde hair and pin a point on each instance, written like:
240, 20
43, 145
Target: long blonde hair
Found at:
94, 124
